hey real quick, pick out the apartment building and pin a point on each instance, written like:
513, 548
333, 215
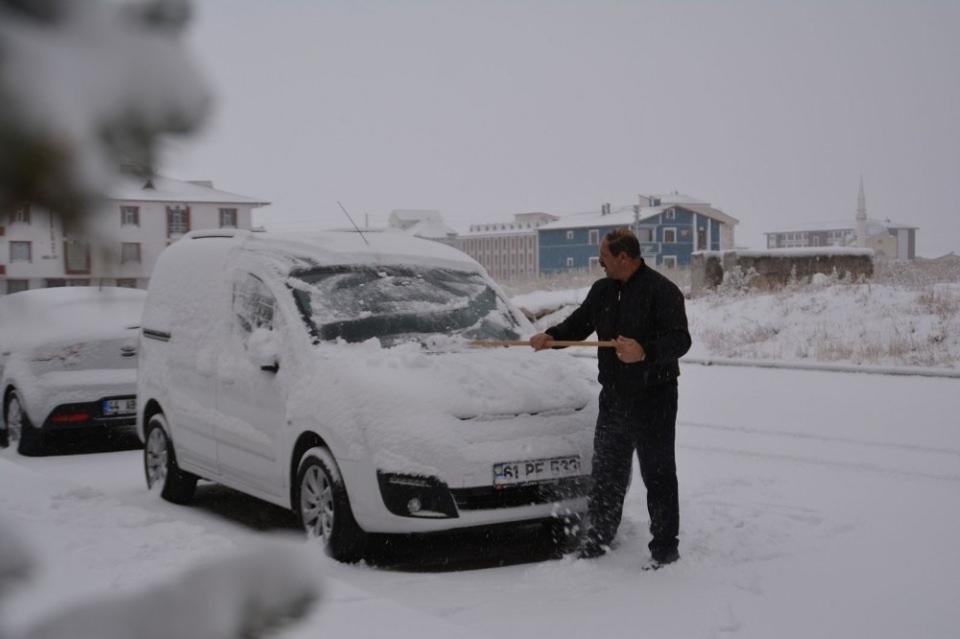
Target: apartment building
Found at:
119, 242
507, 250
670, 227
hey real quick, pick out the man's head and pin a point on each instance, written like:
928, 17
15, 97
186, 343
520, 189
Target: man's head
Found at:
620, 254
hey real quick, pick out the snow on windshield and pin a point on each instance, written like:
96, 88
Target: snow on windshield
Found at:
400, 303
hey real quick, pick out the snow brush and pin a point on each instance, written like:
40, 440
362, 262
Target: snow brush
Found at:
493, 343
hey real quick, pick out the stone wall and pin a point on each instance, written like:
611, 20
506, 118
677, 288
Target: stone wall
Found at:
775, 267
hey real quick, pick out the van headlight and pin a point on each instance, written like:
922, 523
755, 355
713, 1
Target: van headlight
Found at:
416, 496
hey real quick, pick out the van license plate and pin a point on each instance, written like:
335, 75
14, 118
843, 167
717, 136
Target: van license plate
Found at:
522, 472
115, 407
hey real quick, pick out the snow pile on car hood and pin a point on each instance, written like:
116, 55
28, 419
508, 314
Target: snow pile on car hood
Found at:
421, 410
467, 383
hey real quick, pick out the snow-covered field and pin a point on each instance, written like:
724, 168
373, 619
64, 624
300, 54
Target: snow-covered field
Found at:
858, 324
814, 504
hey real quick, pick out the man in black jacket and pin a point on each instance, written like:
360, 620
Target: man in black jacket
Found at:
643, 312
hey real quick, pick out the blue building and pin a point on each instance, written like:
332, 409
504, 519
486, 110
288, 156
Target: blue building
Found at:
670, 228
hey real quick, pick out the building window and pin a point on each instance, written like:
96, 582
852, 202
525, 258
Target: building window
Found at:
127, 283
78, 282
569, 262
76, 257
670, 236
569, 235
20, 214
670, 261
771, 241
594, 262
130, 252
670, 214
228, 218
15, 286
178, 220
56, 283
21, 252
129, 216
645, 235
593, 237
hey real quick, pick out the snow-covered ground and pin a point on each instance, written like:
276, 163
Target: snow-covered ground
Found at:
857, 324
814, 504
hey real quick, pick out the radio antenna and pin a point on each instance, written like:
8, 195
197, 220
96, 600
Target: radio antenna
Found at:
354, 223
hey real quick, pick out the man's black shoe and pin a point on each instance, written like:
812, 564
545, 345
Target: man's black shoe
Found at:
658, 561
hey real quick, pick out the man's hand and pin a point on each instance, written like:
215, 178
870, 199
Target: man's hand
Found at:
540, 341
629, 350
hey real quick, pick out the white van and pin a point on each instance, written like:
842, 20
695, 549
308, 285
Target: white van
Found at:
333, 375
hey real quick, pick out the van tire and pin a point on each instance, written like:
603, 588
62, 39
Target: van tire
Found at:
160, 464
323, 508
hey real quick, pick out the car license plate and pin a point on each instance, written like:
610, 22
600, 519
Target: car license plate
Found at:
522, 472
114, 407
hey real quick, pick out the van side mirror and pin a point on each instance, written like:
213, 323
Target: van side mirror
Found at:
263, 348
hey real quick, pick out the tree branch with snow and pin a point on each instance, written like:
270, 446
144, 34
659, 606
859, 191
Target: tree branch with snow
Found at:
88, 89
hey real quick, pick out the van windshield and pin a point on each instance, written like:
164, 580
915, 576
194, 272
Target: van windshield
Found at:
399, 303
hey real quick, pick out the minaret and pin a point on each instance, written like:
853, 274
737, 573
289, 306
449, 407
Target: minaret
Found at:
861, 216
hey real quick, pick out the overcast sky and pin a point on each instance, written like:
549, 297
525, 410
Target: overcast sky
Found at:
770, 111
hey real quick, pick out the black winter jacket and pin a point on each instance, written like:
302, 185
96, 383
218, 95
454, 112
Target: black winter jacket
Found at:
648, 308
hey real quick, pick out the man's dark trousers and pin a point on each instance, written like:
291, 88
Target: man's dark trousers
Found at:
644, 421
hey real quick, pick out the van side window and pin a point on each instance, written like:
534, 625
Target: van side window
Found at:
253, 305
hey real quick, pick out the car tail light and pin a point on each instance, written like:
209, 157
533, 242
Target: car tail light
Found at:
71, 417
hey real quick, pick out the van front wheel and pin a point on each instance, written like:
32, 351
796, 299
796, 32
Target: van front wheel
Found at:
160, 464
323, 507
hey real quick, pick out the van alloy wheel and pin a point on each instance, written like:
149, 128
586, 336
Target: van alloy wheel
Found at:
156, 458
160, 464
316, 503
323, 507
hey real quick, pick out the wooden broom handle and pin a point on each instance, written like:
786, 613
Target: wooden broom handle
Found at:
492, 343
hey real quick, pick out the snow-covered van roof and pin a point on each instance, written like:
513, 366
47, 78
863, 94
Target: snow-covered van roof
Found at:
321, 248
186, 283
